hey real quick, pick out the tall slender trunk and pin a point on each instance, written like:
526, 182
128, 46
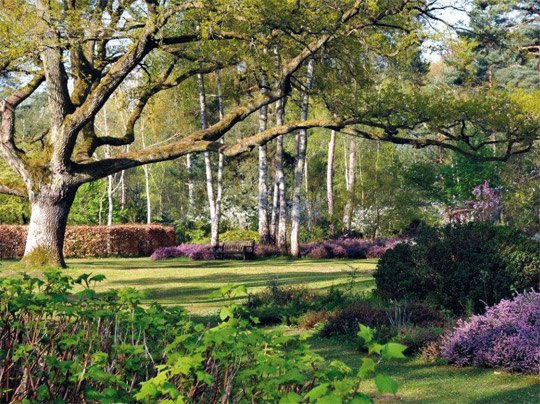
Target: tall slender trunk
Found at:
275, 206
110, 187
299, 167
48, 219
123, 189
221, 162
110, 178
281, 237
190, 185
146, 171
214, 228
330, 181
264, 227
350, 185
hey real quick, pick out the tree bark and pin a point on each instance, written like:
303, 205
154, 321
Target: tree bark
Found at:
281, 237
221, 162
350, 185
300, 161
214, 223
330, 181
264, 227
48, 219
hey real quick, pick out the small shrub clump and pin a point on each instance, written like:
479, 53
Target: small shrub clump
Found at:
460, 268
290, 304
389, 321
506, 336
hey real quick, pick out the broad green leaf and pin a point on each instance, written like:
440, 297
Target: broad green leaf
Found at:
368, 367
291, 398
365, 333
317, 391
330, 399
386, 384
393, 350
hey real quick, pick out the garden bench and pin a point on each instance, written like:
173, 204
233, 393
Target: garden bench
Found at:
231, 248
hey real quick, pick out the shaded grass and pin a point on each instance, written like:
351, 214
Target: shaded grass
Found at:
421, 382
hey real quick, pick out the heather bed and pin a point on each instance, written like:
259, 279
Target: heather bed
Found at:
351, 248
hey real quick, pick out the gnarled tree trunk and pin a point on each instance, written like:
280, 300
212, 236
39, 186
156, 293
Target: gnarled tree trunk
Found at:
48, 219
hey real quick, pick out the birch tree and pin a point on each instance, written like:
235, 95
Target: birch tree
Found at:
264, 225
350, 187
301, 146
330, 180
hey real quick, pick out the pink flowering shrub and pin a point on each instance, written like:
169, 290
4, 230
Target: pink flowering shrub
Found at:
194, 252
506, 336
341, 248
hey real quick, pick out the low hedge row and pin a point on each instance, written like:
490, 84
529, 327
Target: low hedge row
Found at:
95, 241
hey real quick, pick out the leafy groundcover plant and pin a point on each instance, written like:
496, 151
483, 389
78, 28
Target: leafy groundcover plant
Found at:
61, 345
507, 336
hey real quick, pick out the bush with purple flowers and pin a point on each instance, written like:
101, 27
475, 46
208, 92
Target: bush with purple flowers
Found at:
354, 248
507, 336
192, 251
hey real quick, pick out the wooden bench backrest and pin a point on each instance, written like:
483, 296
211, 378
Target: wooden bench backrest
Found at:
238, 245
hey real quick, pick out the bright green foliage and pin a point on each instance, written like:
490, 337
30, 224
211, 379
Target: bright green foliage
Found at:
79, 346
108, 348
239, 362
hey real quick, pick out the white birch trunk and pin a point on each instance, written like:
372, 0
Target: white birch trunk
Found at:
214, 230
330, 180
300, 162
219, 194
264, 227
350, 185
281, 237
146, 171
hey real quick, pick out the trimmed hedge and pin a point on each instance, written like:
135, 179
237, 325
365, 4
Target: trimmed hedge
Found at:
95, 241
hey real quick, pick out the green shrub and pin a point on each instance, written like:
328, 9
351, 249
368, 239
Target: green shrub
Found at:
418, 338
460, 268
278, 304
78, 346
237, 362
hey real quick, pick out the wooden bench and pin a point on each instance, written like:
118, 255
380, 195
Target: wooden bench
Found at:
246, 249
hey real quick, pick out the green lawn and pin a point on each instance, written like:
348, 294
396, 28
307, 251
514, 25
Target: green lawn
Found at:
189, 283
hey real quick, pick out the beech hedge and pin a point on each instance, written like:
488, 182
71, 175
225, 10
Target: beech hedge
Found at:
95, 241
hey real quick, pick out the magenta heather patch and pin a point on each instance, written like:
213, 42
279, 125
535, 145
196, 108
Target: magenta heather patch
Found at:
507, 336
192, 251
341, 248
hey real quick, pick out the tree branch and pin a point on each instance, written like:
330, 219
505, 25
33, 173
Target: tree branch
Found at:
10, 190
